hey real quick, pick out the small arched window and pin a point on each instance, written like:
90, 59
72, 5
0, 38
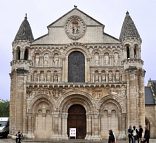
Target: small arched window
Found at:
26, 53
128, 51
135, 51
18, 53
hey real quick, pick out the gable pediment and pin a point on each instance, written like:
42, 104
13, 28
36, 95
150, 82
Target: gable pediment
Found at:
75, 26
89, 21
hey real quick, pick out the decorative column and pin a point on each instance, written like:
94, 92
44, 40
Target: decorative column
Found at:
122, 126
87, 73
141, 98
64, 70
95, 127
55, 123
64, 126
89, 126
29, 119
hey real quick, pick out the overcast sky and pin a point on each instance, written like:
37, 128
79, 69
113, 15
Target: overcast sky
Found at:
41, 13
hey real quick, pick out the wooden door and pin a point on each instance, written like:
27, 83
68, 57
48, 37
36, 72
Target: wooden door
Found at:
77, 119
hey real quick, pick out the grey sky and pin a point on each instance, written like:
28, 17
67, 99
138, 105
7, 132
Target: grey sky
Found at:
41, 13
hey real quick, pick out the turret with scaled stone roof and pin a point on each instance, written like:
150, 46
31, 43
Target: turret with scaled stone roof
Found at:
131, 42
21, 45
24, 32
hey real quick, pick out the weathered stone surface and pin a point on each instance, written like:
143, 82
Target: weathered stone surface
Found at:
111, 92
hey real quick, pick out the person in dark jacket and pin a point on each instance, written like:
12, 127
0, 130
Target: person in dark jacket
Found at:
19, 136
130, 134
111, 138
140, 134
146, 135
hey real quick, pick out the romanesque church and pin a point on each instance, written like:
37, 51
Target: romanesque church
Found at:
76, 76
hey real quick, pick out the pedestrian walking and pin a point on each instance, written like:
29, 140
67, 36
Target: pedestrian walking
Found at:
130, 139
111, 138
140, 134
19, 137
146, 135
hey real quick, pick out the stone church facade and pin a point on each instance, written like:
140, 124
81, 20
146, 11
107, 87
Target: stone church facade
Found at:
76, 76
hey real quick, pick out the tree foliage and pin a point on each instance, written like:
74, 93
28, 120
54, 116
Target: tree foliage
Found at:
4, 109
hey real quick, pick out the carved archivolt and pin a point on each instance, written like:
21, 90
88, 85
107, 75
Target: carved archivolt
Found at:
36, 102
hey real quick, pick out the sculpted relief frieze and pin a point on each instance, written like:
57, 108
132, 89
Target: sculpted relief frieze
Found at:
50, 93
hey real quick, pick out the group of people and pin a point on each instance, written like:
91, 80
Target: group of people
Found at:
136, 135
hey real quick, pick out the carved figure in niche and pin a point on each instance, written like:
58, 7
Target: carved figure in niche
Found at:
75, 27
103, 77
117, 76
110, 76
96, 76
48, 76
46, 59
35, 76
55, 76
116, 58
42, 76
56, 60
106, 59
96, 58
37, 59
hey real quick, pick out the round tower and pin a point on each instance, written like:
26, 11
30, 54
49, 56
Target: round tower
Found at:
133, 65
19, 69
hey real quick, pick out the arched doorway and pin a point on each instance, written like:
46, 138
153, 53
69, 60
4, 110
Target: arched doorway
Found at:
42, 119
77, 119
110, 117
76, 67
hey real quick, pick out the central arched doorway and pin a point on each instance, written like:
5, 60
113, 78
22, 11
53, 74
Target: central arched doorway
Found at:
77, 119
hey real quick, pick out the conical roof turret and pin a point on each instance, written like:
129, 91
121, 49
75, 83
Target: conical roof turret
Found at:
129, 30
24, 32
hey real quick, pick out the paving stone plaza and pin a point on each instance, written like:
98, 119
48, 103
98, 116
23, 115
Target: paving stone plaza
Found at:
70, 141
